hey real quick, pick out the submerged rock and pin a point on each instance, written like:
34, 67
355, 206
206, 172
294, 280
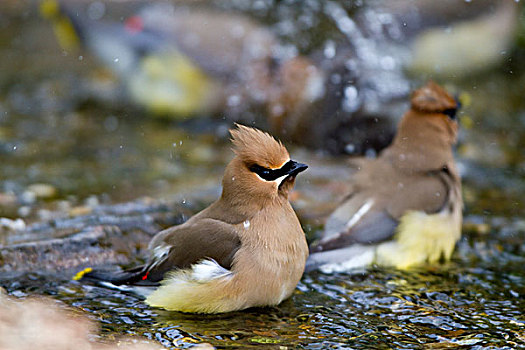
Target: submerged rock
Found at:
108, 235
42, 191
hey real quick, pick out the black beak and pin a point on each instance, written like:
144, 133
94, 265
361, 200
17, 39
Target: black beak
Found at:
296, 168
451, 112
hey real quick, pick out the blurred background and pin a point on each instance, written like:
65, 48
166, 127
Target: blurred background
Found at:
109, 101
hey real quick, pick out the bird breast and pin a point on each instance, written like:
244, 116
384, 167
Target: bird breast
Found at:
272, 255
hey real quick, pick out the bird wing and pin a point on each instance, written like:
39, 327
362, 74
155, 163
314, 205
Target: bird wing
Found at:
427, 192
359, 219
371, 214
177, 247
181, 246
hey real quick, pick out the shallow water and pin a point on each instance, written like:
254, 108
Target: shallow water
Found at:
54, 131
475, 300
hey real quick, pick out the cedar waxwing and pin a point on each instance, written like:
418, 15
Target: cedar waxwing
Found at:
246, 249
183, 61
405, 206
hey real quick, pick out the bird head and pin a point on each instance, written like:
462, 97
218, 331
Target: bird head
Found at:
261, 169
438, 107
427, 132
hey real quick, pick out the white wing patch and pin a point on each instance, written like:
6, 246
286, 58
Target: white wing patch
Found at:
208, 270
160, 253
359, 214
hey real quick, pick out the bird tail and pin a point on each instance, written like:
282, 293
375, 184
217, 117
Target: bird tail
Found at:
67, 26
132, 280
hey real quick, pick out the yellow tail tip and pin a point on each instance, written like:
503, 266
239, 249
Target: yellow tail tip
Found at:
79, 275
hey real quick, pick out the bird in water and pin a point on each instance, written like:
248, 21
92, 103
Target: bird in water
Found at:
246, 249
405, 206
184, 61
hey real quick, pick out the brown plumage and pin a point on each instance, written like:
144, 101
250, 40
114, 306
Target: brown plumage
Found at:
246, 249
256, 146
404, 207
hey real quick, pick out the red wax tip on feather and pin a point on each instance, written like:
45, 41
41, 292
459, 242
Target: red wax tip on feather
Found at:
145, 276
134, 24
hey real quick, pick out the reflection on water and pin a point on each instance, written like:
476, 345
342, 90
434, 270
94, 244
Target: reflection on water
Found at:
58, 129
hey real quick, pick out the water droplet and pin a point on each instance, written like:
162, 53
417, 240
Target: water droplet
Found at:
96, 10
388, 63
370, 153
233, 178
277, 109
246, 224
14, 148
183, 201
24, 211
335, 78
116, 60
329, 49
351, 102
351, 92
350, 148
234, 100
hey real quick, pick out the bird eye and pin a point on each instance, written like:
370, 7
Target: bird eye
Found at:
254, 168
263, 172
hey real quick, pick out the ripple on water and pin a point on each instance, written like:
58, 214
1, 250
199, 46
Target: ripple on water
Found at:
465, 303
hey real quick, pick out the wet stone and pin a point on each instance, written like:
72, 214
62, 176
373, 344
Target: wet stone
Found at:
42, 191
107, 235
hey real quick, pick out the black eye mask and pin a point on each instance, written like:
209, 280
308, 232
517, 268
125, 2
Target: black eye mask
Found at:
451, 113
290, 168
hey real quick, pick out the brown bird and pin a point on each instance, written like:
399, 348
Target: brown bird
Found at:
405, 206
246, 249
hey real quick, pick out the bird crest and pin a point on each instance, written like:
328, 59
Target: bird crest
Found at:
432, 98
257, 147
